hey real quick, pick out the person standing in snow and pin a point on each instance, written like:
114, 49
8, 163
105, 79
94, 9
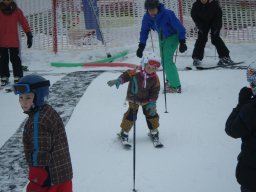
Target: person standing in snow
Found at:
10, 17
207, 15
44, 138
148, 86
241, 124
171, 34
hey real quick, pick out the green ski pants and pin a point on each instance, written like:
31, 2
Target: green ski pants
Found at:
167, 48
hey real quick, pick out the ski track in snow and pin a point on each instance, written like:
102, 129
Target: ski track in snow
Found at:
64, 96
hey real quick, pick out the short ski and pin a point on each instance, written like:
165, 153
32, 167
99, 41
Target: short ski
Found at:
156, 143
125, 144
230, 66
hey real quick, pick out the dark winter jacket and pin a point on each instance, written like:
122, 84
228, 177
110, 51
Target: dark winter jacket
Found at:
242, 124
148, 86
9, 22
207, 16
53, 151
165, 23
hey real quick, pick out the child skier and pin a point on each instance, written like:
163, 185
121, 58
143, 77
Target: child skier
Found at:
241, 124
148, 86
44, 138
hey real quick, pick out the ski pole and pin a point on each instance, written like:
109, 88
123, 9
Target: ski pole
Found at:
162, 57
134, 91
152, 43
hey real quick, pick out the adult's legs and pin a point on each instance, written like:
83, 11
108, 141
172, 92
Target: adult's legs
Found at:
202, 38
167, 48
16, 62
4, 62
222, 50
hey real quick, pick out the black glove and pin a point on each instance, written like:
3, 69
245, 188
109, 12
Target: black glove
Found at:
183, 46
29, 39
140, 50
245, 95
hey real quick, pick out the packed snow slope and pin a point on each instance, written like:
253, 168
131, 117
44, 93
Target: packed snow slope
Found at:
197, 156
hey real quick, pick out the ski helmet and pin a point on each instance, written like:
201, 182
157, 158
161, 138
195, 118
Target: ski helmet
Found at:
151, 4
251, 76
35, 84
150, 59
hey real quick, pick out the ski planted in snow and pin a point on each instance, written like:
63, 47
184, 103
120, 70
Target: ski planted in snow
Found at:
228, 66
125, 144
156, 143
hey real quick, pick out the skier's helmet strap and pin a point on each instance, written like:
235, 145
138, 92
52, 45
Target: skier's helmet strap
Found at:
151, 4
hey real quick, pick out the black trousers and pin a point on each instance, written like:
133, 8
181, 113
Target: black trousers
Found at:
216, 40
11, 54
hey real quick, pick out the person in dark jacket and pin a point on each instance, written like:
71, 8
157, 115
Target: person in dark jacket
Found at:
44, 138
171, 34
10, 17
207, 15
241, 123
143, 90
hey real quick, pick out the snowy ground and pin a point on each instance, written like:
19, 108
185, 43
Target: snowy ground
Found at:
198, 156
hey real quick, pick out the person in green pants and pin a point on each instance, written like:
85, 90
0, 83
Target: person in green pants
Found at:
171, 35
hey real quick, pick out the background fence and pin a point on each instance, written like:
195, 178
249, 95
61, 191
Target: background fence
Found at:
88, 24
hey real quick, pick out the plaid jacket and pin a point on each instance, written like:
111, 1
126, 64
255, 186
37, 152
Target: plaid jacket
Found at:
52, 151
148, 86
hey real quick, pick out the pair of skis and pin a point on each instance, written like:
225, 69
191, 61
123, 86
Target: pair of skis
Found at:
235, 65
127, 145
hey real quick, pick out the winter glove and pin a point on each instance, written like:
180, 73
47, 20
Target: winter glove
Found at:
37, 175
183, 46
140, 50
151, 106
116, 82
245, 95
29, 39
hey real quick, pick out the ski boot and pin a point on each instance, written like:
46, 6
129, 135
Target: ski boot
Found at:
197, 62
16, 79
154, 134
169, 89
4, 81
124, 136
224, 61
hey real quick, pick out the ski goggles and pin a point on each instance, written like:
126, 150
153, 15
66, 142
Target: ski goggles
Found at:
24, 88
154, 63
